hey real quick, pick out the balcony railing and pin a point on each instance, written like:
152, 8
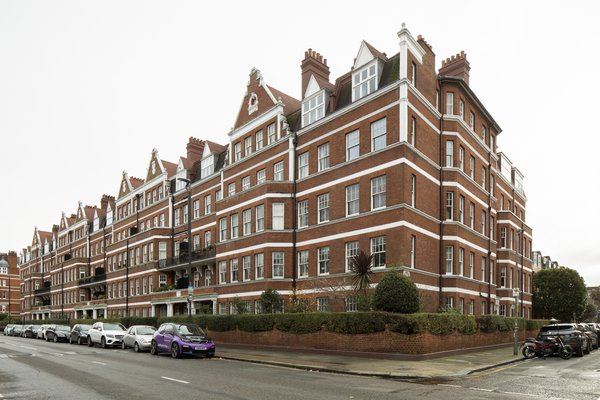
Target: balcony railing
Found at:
92, 280
44, 290
197, 257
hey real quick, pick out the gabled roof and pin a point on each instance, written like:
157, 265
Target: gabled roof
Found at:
170, 167
136, 182
215, 147
291, 104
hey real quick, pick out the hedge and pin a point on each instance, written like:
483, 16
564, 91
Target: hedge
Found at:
345, 323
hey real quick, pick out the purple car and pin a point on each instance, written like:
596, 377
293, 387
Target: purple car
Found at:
180, 339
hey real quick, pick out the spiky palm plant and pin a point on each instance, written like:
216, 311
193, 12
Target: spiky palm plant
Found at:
360, 266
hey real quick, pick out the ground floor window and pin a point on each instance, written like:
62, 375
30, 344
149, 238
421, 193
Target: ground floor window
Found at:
322, 304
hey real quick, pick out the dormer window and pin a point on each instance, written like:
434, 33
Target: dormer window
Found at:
313, 108
364, 81
96, 224
208, 166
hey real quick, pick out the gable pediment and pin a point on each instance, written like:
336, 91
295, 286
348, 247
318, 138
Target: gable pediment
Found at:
257, 99
363, 57
155, 167
312, 87
125, 188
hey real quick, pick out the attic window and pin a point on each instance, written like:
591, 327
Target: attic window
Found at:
364, 81
313, 108
207, 165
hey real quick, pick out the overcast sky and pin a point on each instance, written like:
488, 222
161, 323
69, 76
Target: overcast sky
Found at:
88, 89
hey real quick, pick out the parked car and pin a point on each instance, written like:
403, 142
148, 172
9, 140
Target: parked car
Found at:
180, 339
592, 336
58, 333
17, 330
8, 329
106, 334
41, 334
139, 337
30, 331
79, 334
570, 335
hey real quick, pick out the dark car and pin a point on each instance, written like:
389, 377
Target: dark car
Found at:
570, 335
181, 339
31, 331
591, 335
79, 334
58, 333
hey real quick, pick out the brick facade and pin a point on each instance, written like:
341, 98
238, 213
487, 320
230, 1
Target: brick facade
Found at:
393, 158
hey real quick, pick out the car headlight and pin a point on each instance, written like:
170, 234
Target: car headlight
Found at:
110, 335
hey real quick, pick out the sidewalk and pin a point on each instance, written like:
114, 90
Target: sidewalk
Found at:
374, 365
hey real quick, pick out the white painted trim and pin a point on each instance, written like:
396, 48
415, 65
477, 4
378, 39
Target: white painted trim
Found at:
464, 291
351, 107
252, 248
466, 191
420, 115
367, 172
406, 39
371, 229
256, 122
467, 243
254, 200
346, 126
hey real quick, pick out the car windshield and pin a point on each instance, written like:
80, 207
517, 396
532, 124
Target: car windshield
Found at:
190, 330
145, 330
64, 328
551, 328
113, 327
85, 327
35, 327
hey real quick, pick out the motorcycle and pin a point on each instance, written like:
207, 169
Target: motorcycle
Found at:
546, 347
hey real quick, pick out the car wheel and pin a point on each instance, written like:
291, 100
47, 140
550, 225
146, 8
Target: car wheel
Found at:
174, 350
55, 339
123, 346
103, 342
79, 340
153, 348
90, 343
590, 347
70, 340
46, 338
136, 348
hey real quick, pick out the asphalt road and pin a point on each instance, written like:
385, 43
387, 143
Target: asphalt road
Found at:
33, 369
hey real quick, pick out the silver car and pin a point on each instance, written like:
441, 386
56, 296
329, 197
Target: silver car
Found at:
139, 337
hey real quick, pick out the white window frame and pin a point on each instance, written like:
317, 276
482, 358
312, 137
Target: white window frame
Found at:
352, 145
222, 272
323, 260
378, 192
303, 214
351, 249
352, 200
365, 81
379, 134
378, 250
323, 208
303, 264
247, 221
259, 266
278, 216
313, 108
259, 213
261, 176
303, 165
278, 172
278, 264
323, 157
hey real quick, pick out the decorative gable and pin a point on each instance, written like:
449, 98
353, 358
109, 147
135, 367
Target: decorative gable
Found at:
64, 223
257, 99
312, 87
125, 187
363, 57
80, 213
155, 168
366, 71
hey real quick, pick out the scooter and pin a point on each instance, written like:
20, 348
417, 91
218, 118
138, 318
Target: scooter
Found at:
546, 347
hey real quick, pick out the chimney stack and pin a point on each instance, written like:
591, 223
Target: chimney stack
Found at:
314, 64
195, 148
457, 66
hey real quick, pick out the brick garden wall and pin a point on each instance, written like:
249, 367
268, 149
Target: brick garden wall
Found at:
380, 342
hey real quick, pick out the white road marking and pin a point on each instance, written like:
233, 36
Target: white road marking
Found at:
98, 362
447, 385
519, 394
480, 389
29, 348
174, 380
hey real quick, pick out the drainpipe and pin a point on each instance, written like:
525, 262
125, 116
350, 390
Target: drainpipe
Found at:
491, 228
441, 196
294, 218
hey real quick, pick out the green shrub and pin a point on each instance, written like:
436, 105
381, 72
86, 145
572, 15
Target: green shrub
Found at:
407, 324
352, 323
396, 293
300, 323
256, 323
221, 323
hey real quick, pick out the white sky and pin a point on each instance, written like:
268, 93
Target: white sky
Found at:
88, 88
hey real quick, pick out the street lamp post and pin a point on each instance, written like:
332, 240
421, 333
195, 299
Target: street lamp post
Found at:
520, 284
188, 186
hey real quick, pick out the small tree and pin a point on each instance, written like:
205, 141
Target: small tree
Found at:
396, 293
589, 313
559, 293
360, 265
271, 301
241, 307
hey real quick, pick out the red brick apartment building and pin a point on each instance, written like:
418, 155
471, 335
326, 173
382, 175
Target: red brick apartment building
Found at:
10, 299
393, 158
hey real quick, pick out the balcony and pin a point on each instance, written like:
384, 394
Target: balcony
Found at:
197, 258
89, 281
44, 290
